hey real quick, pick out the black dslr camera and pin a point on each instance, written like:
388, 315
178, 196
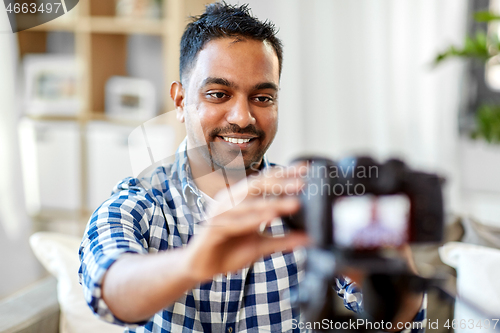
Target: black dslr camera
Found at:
355, 211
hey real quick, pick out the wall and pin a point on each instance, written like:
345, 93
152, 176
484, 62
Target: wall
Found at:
358, 77
18, 265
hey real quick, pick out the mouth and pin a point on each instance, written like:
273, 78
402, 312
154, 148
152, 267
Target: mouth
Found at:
242, 141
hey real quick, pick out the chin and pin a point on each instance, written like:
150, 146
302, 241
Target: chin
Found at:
237, 164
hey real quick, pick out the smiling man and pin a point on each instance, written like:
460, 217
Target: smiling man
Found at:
228, 100
232, 90
152, 259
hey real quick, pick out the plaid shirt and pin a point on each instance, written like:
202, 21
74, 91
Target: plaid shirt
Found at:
163, 213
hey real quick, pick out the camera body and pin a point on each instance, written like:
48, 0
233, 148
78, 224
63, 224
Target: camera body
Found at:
361, 177
353, 200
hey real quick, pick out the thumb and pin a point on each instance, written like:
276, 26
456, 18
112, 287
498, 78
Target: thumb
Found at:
269, 245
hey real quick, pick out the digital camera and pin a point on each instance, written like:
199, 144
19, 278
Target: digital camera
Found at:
353, 212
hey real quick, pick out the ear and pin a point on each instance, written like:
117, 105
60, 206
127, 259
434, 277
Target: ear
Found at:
177, 94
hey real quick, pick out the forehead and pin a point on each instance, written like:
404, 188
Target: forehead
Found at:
245, 62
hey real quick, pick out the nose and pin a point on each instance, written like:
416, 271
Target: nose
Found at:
240, 113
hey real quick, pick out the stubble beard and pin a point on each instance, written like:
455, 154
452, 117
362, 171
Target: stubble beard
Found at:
233, 161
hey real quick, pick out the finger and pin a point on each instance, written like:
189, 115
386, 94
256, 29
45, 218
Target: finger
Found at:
249, 216
264, 182
355, 275
407, 254
273, 186
268, 245
300, 168
269, 185
293, 171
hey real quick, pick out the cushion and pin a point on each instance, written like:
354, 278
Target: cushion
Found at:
58, 253
478, 283
481, 232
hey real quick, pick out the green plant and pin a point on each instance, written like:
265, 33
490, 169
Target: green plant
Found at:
480, 47
474, 48
488, 123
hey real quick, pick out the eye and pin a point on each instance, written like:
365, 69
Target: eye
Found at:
217, 95
264, 99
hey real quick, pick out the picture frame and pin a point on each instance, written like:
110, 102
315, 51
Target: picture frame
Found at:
130, 98
51, 85
145, 9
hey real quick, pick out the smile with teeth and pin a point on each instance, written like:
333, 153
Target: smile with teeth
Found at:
235, 140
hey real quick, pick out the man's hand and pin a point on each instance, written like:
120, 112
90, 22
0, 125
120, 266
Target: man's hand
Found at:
231, 240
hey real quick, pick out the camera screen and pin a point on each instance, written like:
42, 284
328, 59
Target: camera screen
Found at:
370, 222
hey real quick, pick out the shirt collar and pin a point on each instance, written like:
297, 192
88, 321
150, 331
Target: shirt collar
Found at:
182, 171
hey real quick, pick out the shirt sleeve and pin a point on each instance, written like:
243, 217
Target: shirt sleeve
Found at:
350, 293
353, 300
118, 226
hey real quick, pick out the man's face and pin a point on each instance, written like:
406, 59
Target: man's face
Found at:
232, 93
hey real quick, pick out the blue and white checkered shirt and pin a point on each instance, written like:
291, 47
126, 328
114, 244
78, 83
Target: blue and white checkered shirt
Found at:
162, 213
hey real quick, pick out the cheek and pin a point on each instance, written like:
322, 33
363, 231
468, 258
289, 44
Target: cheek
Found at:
210, 119
269, 123
194, 125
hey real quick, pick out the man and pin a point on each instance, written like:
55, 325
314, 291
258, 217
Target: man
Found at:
151, 259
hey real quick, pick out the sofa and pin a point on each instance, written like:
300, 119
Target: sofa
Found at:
32, 310
57, 305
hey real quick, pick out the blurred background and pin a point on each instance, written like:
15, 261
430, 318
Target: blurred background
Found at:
359, 77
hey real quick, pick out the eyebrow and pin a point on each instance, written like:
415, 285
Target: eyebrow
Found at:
266, 85
218, 80
227, 83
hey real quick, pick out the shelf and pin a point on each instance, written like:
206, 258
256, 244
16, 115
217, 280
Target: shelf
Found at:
101, 45
57, 24
118, 25
61, 221
105, 25
92, 116
101, 116
49, 117
60, 214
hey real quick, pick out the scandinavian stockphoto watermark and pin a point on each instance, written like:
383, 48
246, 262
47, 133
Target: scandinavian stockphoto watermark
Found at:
354, 324
151, 147
308, 169
26, 14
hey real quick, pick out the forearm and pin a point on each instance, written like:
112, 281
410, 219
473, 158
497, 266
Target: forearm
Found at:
410, 307
137, 286
412, 301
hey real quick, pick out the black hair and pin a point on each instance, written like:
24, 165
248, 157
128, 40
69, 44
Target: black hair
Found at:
224, 20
